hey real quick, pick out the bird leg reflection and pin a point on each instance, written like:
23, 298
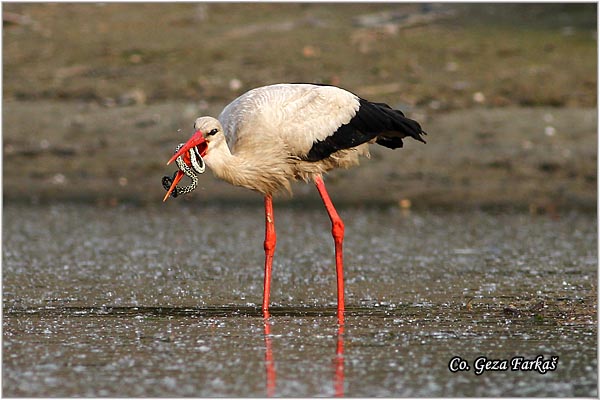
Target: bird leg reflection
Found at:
269, 362
339, 363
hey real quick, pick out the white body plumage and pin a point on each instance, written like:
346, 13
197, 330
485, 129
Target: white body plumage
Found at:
264, 136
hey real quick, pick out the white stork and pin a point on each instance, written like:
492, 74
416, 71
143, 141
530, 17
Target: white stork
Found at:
273, 134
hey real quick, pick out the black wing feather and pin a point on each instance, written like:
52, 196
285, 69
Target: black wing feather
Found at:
372, 120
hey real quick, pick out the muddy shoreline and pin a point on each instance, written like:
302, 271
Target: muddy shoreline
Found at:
538, 159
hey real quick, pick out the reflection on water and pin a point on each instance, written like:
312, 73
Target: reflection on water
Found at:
402, 350
269, 362
271, 373
130, 302
169, 313
339, 363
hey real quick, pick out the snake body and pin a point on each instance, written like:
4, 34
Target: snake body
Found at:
197, 167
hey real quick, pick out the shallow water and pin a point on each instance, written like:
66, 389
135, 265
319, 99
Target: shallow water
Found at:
165, 302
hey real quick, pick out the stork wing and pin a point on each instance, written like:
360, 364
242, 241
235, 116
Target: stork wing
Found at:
294, 116
312, 121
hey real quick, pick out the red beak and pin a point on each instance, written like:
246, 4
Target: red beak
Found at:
197, 140
175, 182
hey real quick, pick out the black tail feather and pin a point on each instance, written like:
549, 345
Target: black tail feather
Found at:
372, 121
397, 126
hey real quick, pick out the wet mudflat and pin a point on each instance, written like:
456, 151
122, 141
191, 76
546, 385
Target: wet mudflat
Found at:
165, 302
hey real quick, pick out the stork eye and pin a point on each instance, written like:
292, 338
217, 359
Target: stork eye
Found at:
213, 132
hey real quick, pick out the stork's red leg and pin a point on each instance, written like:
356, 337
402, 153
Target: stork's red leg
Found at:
338, 237
270, 240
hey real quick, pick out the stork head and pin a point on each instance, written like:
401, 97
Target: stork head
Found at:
207, 131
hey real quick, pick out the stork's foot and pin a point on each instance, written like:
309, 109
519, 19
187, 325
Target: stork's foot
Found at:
167, 181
